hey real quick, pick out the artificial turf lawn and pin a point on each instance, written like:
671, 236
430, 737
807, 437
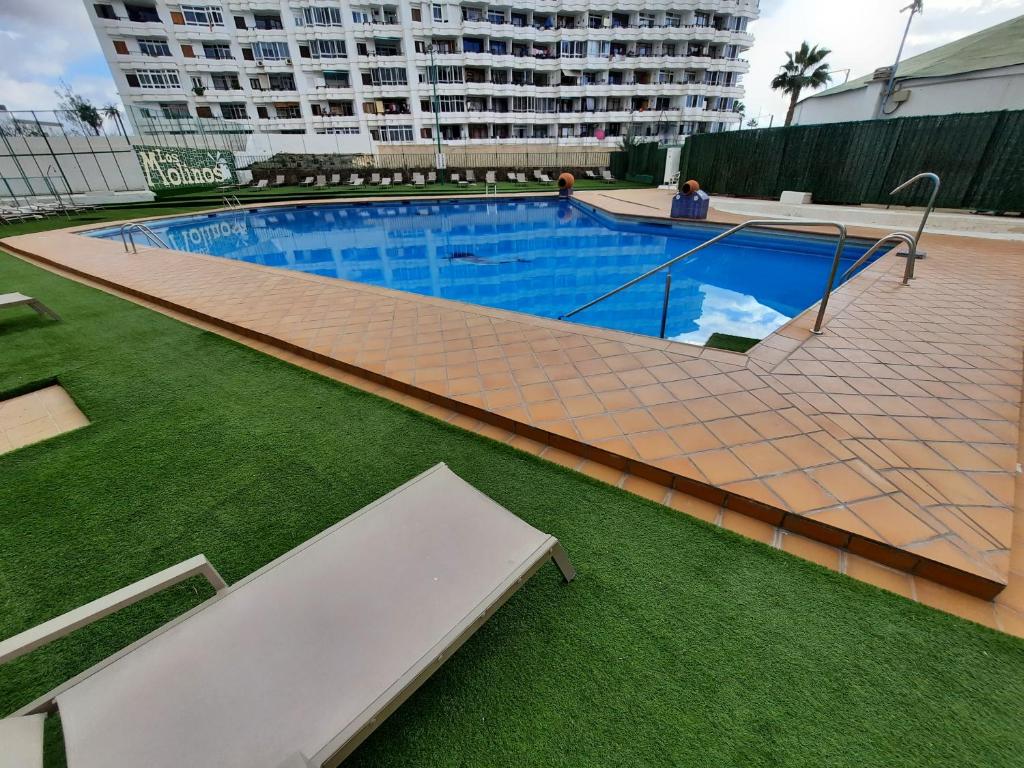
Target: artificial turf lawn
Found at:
679, 644
730, 342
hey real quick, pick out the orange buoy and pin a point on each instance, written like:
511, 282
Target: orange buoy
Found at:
690, 187
566, 180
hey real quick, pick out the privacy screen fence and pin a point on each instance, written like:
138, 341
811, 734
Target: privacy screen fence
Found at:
644, 162
980, 158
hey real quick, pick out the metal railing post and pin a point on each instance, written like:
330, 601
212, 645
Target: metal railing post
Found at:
664, 306
840, 228
936, 184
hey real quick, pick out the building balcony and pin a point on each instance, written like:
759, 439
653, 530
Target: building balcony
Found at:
267, 65
125, 26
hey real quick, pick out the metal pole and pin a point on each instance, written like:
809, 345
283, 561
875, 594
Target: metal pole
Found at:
664, 306
437, 111
936, 184
831, 282
914, 7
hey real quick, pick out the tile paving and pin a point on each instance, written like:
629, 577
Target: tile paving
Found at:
892, 437
36, 416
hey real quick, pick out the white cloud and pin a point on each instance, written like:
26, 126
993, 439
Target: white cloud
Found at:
43, 42
862, 36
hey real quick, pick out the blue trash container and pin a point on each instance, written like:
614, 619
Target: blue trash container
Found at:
691, 206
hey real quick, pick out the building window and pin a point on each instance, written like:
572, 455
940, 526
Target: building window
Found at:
141, 13
417, 15
673, 20
385, 76
451, 104
233, 112
154, 47
154, 78
217, 51
336, 80
267, 21
327, 49
270, 51
104, 11
645, 19
443, 75
320, 16
702, 19
496, 17
288, 111
574, 49
175, 111
281, 82
202, 16
348, 131
227, 82
694, 102
438, 12
392, 133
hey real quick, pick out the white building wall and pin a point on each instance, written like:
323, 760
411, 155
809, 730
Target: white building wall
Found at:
986, 91
651, 40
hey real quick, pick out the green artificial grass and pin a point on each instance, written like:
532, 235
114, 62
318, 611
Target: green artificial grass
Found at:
730, 343
678, 645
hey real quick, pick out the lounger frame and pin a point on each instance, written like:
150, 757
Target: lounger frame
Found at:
348, 739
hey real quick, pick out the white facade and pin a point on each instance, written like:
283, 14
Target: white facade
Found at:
530, 71
985, 90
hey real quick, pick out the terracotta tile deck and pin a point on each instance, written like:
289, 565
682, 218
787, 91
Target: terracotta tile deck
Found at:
37, 416
893, 437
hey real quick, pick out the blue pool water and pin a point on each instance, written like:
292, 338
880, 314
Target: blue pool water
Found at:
542, 256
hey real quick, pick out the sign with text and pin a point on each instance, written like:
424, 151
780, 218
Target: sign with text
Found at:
174, 167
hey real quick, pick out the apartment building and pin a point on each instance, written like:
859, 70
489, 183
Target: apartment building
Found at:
575, 71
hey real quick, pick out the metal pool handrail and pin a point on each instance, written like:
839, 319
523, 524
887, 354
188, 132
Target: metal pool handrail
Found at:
126, 229
841, 228
892, 237
936, 183
231, 201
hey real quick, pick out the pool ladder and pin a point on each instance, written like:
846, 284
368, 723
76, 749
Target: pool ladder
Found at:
903, 237
231, 201
131, 226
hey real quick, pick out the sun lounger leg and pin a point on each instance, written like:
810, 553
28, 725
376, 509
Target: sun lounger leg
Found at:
42, 309
560, 559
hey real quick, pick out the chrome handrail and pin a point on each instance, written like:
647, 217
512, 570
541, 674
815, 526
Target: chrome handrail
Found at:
126, 235
841, 228
899, 237
231, 201
936, 183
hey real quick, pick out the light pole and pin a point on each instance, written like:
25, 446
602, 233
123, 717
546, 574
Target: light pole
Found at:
437, 109
915, 7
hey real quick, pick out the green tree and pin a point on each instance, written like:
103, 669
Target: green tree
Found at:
804, 69
79, 108
114, 112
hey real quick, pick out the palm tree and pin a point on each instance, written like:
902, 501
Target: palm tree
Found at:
804, 69
113, 111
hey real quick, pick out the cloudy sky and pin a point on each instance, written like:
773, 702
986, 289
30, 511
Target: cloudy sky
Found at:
44, 40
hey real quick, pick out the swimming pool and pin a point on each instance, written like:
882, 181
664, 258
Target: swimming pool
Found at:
542, 256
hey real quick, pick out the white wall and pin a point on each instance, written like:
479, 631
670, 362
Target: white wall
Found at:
74, 164
308, 144
987, 91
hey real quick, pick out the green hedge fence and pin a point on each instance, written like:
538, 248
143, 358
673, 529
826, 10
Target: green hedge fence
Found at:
980, 158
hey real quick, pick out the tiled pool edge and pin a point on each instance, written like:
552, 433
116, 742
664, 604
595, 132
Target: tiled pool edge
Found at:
1005, 613
881, 552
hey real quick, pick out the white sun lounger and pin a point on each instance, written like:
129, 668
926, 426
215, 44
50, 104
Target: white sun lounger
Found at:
20, 299
298, 663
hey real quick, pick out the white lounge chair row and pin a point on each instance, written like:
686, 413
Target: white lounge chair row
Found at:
12, 212
296, 664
